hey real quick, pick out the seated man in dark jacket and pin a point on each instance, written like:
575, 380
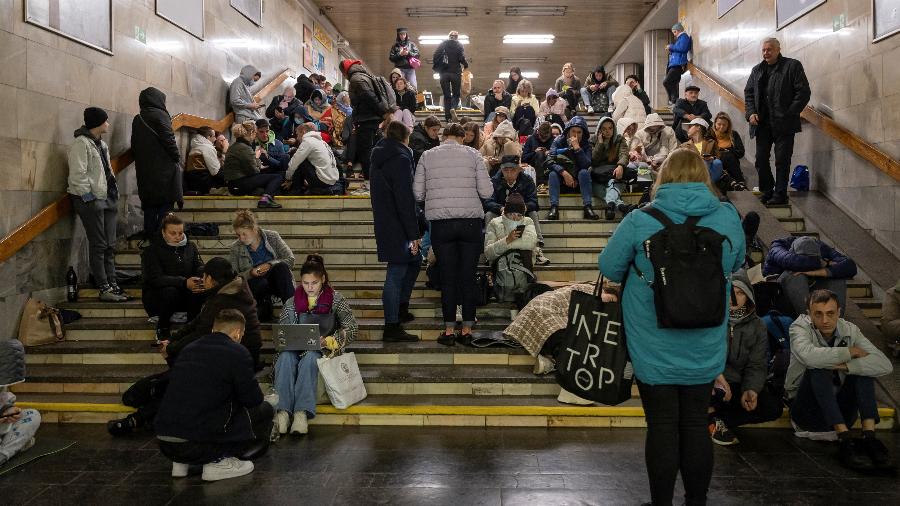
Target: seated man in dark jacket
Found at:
804, 264
213, 413
536, 147
511, 179
274, 156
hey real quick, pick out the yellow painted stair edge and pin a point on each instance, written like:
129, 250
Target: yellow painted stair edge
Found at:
80, 407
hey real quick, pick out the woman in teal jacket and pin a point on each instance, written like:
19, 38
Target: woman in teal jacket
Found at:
675, 368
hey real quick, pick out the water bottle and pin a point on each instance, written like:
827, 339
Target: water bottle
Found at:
71, 285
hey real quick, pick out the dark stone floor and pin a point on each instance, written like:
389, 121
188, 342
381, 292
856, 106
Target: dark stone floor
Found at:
437, 466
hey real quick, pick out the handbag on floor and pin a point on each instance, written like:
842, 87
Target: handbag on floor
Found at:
40, 324
592, 361
343, 381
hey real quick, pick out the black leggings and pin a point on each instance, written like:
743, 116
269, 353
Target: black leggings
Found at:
270, 184
167, 300
457, 245
677, 439
279, 281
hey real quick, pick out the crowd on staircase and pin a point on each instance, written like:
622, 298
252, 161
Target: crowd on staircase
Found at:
468, 194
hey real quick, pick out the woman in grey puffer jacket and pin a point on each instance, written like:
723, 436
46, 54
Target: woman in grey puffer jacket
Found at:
452, 181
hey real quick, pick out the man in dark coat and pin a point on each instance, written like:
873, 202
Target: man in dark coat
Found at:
369, 109
688, 108
396, 227
156, 159
304, 88
449, 62
213, 413
776, 93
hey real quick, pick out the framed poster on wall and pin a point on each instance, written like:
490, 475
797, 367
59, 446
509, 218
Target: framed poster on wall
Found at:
308, 63
320, 65
87, 22
251, 9
788, 11
886, 18
723, 6
323, 38
185, 14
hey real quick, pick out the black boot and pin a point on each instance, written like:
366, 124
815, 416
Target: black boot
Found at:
778, 199
553, 214
122, 426
625, 209
394, 333
405, 315
589, 213
610, 211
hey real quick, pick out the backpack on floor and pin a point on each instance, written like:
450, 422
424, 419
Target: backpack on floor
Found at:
800, 178
511, 275
688, 279
202, 229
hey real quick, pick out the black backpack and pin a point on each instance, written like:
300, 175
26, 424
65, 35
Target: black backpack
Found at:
688, 279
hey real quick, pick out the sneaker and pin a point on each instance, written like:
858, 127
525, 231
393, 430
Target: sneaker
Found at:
539, 258
610, 212
544, 365
362, 191
738, 186
543, 190
853, 454
567, 397
226, 468
179, 470
300, 425
118, 290
394, 333
122, 426
778, 199
814, 436
107, 295
590, 109
722, 435
625, 209
222, 191
876, 450
282, 421
464, 339
267, 202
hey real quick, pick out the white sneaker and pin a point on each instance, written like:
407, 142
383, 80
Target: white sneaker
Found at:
282, 421
590, 109
539, 258
544, 365
459, 314
300, 425
814, 436
179, 470
226, 468
567, 397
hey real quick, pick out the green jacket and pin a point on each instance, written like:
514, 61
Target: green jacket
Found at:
240, 161
616, 144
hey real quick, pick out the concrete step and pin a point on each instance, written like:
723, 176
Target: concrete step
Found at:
792, 224
348, 202
870, 307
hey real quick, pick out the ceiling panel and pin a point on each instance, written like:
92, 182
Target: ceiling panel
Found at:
588, 34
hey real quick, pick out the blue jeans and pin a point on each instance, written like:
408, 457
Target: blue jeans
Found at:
819, 406
399, 281
715, 169
410, 76
425, 245
584, 184
296, 379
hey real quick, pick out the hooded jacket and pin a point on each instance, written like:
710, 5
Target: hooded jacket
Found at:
363, 98
628, 105
611, 152
402, 61
240, 259
276, 103
319, 154
560, 147
274, 155
657, 146
450, 57
524, 186
240, 161
558, 108
393, 203
156, 156
810, 350
890, 313
242, 98
495, 244
203, 155
679, 50
748, 343
233, 295
511, 147
781, 258
452, 181
304, 88
163, 265
420, 142
783, 99
531, 144
622, 125
211, 387
88, 177
671, 356
600, 98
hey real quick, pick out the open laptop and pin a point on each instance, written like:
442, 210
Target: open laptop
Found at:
296, 337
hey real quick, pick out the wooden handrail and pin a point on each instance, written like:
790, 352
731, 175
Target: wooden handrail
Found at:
61, 207
855, 143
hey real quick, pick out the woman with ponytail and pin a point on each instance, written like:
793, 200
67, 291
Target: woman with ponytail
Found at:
296, 373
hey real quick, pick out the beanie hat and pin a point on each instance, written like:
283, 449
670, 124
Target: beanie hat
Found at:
807, 246
502, 109
552, 93
94, 117
337, 88
678, 26
514, 204
402, 30
346, 64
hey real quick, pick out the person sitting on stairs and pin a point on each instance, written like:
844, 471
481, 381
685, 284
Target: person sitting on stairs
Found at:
297, 374
313, 169
241, 168
213, 413
512, 179
571, 165
610, 168
17, 426
262, 258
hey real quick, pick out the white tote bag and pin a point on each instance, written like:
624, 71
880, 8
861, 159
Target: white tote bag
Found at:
343, 382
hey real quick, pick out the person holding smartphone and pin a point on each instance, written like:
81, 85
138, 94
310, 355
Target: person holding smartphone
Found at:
513, 231
708, 148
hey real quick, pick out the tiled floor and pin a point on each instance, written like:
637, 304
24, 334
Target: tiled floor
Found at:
437, 466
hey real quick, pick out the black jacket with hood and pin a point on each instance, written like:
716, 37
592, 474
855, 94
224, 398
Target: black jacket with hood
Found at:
163, 265
748, 342
156, 156
450, 58
402, 61
304, 88
419, 142
363, 98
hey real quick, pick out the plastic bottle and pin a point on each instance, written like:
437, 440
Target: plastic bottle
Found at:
71, 285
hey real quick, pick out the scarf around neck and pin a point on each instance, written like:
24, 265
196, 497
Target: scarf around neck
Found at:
323, 303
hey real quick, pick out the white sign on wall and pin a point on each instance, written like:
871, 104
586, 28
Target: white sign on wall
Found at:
788, 11
87, 22
886, 14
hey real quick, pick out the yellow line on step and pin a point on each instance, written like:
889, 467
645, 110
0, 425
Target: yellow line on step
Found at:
587, 411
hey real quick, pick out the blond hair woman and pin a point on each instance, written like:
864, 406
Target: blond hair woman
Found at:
262, 258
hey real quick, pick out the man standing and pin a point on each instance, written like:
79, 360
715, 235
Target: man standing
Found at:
831, 382
449, 60
677, 61
370, 108
687, 109
776, 93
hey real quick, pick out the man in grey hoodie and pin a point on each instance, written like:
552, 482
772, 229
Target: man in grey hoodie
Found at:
831, 382
242, 101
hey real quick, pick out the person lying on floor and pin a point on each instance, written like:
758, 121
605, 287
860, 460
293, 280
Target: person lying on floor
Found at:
17, 426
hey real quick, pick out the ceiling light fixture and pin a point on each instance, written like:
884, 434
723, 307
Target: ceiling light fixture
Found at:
536, 10
437, 12
529, 39
437, 39
525, 59
530, 74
